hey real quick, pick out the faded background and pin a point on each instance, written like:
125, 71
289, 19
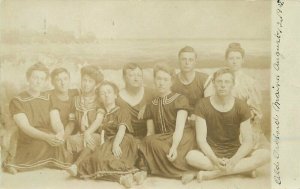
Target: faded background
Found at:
110, 33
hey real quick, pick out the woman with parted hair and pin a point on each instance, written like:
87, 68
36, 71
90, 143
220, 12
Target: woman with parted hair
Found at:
37, 145
87, 115
170, 136
114, 159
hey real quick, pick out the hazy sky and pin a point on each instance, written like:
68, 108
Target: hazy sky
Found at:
143, 19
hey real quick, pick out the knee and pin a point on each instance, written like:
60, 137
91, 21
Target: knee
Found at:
263, 155
193, 155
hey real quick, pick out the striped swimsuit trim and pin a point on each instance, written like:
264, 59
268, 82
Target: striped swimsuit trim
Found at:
40, 163
105, 173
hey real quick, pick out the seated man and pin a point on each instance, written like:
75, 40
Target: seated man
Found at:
220, 119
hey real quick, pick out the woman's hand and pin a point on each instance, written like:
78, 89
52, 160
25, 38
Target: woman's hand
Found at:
88, 139
172, 154
116, 150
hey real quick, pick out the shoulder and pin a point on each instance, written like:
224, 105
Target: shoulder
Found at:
201, 76
240, 104
73, 92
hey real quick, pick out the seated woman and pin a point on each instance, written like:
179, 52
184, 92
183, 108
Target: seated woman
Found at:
114, 159
87, 115
134, 98
61, 101
37, 145
246, 89
170, 137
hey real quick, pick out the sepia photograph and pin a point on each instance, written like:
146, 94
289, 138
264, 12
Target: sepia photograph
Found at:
135, 94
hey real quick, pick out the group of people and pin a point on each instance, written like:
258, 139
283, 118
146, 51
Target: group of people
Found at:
189, 126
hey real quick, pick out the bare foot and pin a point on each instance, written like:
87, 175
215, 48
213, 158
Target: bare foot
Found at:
126, 180
12, 170
72, 170
188, 177
200, 176
140, 177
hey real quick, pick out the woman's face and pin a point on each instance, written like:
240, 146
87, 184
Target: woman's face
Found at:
134, 77
61, 82
163, 82
88, 84
107, 94
37, 80
235, 60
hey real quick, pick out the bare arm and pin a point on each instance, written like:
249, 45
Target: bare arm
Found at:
55, 120
201, 134
150, 127
180, 124
120, 135
96, 124
246, 146
118, 139
23, 123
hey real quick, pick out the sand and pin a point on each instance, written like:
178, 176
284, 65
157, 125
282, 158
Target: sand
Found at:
50, 179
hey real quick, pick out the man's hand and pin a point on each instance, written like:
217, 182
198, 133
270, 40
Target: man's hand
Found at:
230, 164
172, 154
53, 140
220, 163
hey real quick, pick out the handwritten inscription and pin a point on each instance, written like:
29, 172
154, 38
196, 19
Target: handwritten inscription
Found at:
276, 94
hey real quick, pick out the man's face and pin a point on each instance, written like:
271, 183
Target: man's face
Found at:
134, 77
37, 80
224, 84
88, 84
235, 60
187, 61
163, 82
61, 82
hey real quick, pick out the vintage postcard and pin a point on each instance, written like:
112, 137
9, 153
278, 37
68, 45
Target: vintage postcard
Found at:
149, 94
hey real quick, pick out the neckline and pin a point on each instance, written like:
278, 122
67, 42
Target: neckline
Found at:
138, 102
179, 79
209, 99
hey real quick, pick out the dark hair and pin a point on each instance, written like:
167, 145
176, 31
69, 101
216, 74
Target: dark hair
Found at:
130, 66
187, 49
37, 67
163, 67
113, 85
223, 71
236, 47
57, 71
93, 72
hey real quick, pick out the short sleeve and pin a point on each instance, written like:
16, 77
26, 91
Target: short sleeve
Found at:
244, 111
182, 103
148, 112
16, 107
124, 118
199, 109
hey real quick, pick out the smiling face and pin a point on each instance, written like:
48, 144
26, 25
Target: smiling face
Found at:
235, 60
163, 82
107, 94
88, 84
37, 80
187, 61
134, 77
61, 82
224, 84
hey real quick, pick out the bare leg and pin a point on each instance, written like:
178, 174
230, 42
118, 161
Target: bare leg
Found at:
257, 159
197, 159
